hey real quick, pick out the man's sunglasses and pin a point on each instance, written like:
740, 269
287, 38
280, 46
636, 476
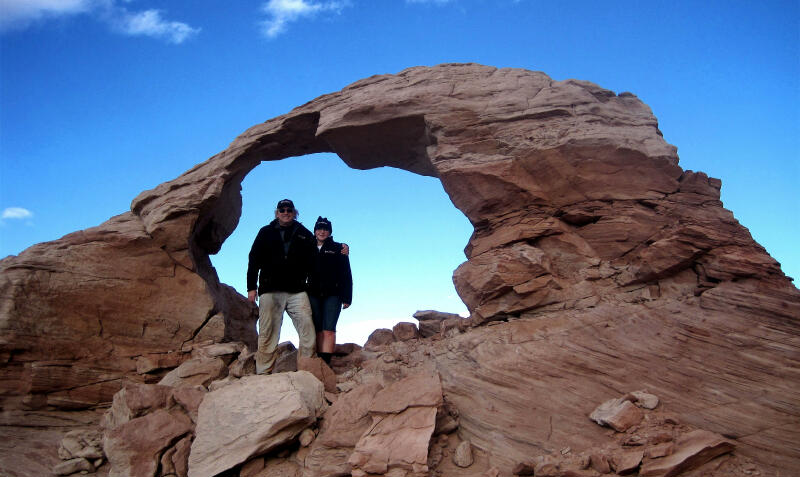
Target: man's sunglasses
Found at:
284, 210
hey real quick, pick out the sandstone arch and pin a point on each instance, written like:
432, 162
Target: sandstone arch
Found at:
576, 200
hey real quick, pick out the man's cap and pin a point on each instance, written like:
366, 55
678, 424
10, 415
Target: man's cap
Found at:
324, 224
285, 203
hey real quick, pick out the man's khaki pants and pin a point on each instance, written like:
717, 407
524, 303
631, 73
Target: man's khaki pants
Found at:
270, 317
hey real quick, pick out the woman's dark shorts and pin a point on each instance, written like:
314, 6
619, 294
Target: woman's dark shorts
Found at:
325, 312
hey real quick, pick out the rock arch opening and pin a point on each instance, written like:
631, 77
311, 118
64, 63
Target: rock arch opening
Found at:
407, 238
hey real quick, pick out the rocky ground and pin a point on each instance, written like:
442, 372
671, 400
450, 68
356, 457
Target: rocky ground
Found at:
379, 410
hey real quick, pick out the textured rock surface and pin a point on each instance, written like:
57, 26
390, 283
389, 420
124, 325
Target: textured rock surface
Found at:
197, 371
403, 420
129, 298
601, 264
430, 321
617, 413
251, 416
344, 424
134, 448
694, 450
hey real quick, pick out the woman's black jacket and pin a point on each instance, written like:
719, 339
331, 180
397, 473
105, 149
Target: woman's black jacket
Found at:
330, 274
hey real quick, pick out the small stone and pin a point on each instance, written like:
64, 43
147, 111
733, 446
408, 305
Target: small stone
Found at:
600, 463
73, 466
493, 472
405, 331
245, 364
306, 437
445, 424
546, 467
221, 383
524, 468
463, 455
660, 438
566, 451
619, 414
219, 349
627, 462
659, 450
379, 338
90, 452
634, 440
252, 467
202, 371
320, 370
645, 399
189, 398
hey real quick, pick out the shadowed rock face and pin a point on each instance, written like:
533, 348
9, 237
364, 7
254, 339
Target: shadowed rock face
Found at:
586, 230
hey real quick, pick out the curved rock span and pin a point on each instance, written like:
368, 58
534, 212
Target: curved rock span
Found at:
614, 268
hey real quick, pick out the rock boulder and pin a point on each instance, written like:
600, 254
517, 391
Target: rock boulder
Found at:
252, 416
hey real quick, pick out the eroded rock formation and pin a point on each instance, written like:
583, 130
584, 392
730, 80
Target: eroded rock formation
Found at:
601, 265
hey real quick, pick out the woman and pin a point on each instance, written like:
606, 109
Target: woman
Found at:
330, 287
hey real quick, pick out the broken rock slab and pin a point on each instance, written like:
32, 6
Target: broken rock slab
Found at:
73, 466
379, 338
248, 418
202, 371
430, 321
84, 443
462, 457
626, 462
135, 400
320, 370
619, 414
691, 451
345, 422
134, 448
405, 331
644, 399
403, 420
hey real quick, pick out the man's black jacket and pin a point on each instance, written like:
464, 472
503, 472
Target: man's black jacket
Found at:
281, 263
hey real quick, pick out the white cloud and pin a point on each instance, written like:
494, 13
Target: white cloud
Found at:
16, 213
283, 12
19, 14
150, 23
437, 2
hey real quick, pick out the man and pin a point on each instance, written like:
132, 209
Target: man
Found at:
279, 262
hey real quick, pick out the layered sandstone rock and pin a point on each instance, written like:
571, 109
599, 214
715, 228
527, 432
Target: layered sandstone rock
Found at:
80, 313
601, 264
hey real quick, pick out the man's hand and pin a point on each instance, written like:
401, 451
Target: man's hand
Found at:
345, 249
251, 296
345, 305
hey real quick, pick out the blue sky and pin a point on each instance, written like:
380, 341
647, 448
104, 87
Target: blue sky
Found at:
101, 99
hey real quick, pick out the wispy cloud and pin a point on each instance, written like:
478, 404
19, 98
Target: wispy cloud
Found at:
20, 14
150, 23
16, 213
437, 2
283, 12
